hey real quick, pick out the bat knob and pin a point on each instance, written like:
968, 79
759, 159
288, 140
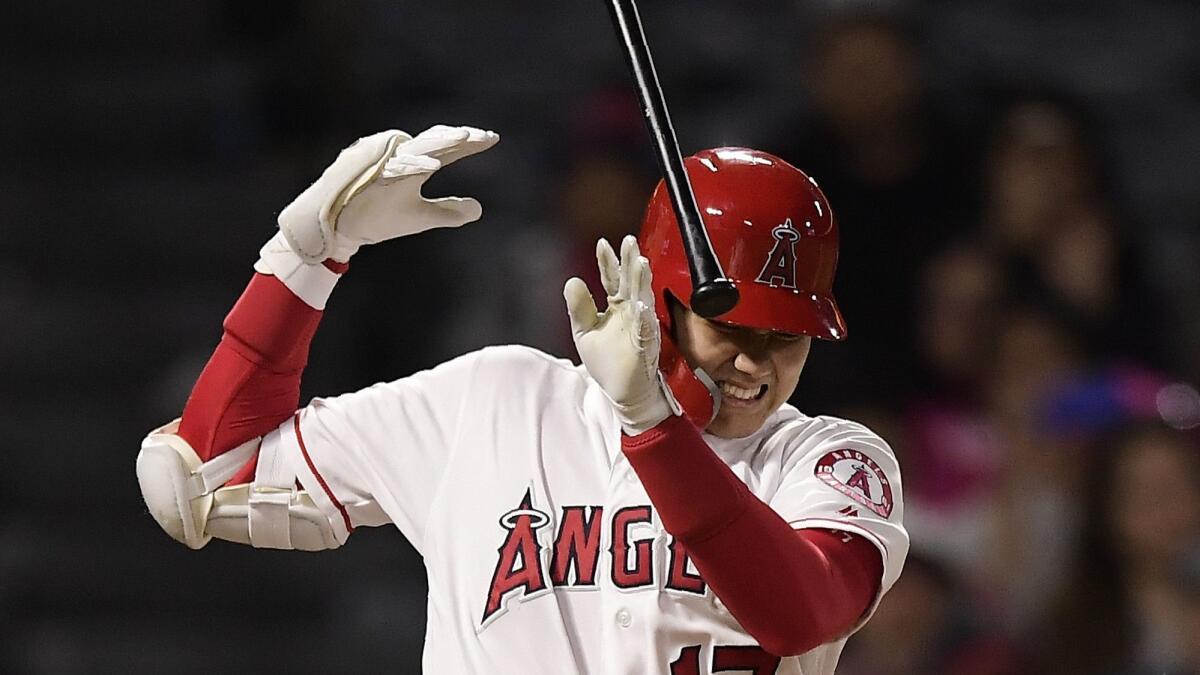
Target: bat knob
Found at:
714, 298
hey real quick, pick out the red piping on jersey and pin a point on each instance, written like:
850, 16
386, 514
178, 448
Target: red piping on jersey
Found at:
336, 267
324, 486
792, 590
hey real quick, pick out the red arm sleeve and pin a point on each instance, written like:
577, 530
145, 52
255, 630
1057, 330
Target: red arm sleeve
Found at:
252, 382
792, 590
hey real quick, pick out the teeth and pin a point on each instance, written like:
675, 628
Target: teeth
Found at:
739, 393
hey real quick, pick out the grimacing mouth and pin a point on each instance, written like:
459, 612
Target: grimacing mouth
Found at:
762, 390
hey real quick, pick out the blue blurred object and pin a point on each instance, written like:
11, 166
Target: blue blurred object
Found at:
1096, 402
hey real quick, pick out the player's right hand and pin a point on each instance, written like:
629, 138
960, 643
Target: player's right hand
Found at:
372, 192
620, 346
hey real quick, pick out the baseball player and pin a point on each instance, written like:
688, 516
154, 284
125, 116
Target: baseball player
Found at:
659, 508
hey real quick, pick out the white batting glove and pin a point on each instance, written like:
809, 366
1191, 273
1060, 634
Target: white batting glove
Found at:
372, 192
620, 346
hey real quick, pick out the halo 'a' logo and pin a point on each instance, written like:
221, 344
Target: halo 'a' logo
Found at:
780, 268
857, 476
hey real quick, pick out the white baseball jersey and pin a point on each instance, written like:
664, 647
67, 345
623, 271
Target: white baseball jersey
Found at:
544, 554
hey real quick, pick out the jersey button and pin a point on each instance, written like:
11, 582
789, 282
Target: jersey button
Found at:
631, 476
624, 618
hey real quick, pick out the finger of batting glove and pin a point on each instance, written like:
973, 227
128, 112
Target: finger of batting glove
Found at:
581, 308
477, 141
610, 269
435, 141
403, 164
630, 270
645, 291
452, 211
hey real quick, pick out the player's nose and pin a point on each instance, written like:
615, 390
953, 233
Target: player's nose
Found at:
754, 363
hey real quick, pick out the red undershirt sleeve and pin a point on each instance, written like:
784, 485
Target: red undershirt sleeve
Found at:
792, 590
251, 383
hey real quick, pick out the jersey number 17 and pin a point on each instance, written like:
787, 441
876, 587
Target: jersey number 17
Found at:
726, 657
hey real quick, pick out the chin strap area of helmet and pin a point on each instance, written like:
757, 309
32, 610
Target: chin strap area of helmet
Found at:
695, 392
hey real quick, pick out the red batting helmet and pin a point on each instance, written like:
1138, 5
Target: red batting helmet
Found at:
773, 232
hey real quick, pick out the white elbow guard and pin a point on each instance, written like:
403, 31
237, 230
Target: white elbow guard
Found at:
185, 497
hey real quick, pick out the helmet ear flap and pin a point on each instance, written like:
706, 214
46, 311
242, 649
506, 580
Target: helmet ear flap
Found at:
667, 316
693, 389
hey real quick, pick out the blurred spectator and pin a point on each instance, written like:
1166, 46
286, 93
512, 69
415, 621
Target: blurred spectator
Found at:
952, 462
1036, 512
604, 177
1050, 213
894, 174
1038, 165
959, 298
1126, 612
1189, 582
608, 140
923, 627
994, 493
602, 193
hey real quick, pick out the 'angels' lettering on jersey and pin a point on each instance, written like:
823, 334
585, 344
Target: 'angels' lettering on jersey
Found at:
504, 469
574, 556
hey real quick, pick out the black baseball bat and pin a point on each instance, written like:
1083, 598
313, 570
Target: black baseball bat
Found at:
712, 293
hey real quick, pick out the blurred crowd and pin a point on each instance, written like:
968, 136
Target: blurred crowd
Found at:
1020, 303
1008, 346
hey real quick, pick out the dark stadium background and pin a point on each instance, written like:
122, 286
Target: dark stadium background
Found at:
147, 146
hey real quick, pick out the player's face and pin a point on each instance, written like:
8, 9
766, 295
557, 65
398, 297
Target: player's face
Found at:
757, 370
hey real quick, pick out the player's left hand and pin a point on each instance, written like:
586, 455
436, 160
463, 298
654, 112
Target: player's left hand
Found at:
620, 346
372, 193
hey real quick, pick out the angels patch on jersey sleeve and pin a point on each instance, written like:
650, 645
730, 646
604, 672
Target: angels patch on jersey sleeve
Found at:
856, 475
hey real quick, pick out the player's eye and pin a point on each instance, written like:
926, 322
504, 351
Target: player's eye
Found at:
786, 337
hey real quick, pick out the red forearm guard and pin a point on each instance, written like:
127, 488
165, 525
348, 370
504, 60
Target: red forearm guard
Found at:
792, 590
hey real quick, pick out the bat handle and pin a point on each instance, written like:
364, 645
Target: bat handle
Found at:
714, 298
712, 293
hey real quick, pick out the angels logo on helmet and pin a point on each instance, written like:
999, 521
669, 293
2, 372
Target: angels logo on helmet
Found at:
780, 269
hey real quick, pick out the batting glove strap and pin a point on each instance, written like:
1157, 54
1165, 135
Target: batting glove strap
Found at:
311, 283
